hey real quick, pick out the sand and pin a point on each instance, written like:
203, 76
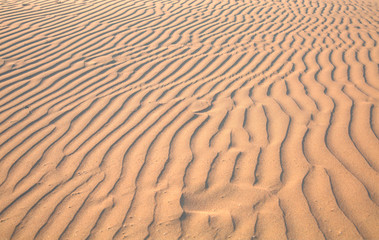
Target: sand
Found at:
189, 119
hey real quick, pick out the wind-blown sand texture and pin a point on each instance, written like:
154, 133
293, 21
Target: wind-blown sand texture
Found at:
189, 119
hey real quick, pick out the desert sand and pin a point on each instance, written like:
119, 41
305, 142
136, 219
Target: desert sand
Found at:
189, 119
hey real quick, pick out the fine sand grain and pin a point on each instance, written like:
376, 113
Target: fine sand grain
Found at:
189, 119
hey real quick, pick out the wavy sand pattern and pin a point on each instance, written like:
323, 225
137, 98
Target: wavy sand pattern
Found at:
189, 119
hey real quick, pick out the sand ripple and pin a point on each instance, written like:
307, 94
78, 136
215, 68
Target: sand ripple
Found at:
198, 119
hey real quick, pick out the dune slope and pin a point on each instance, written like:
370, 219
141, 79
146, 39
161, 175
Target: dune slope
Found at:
198, 119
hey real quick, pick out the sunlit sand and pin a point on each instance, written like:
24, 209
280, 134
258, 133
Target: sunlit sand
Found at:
189, 119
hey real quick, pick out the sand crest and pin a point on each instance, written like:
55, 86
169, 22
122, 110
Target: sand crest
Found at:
189, 119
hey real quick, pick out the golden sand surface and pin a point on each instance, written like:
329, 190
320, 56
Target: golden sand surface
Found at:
189, 119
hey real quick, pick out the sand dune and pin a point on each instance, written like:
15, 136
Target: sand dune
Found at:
198, 119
